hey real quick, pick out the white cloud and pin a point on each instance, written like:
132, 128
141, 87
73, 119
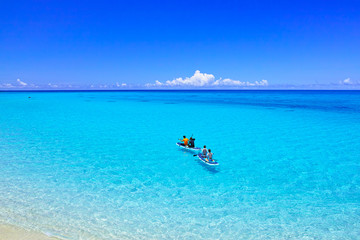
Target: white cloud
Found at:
198, 79
120, 85
237, 83
206, 80
52, 85
156, 84
262, 83
21, 82
18, 84
6, 85
346, 81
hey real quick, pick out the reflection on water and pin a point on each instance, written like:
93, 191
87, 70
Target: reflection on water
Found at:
210, 169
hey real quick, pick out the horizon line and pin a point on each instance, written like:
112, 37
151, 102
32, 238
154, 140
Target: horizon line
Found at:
167, 90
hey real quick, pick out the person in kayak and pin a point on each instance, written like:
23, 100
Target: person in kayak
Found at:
209, 155
204, 151
192, 142
185, 140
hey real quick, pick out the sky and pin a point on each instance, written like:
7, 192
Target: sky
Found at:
179, 44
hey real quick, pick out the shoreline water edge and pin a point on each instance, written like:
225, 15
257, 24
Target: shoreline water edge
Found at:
13, 232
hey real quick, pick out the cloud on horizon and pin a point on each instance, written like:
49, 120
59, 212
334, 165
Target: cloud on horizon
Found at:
21, 82
197, 81
21, 85
120, 85
230, 82
206, 80
348, 81
6, 85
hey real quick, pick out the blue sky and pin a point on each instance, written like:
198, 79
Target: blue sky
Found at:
125, 44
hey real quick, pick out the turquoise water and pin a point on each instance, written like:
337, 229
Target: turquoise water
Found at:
104, 165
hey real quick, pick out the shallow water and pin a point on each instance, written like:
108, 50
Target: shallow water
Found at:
104, 165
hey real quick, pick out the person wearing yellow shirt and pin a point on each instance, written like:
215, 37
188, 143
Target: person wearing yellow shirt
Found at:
185, 140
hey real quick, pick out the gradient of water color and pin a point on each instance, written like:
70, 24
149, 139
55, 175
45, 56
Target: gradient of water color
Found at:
104, 165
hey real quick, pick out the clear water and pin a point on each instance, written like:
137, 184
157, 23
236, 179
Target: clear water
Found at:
104, 165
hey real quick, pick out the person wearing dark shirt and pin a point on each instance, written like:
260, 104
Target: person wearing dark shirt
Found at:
192, 142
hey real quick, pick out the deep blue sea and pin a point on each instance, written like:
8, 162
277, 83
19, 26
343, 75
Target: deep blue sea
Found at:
104, 165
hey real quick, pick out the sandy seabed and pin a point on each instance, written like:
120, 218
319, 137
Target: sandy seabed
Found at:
9, 232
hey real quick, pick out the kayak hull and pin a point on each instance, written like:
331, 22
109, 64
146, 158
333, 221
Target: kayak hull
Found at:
206, 161
188, 148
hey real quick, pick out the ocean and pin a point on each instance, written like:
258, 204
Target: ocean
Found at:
104, 165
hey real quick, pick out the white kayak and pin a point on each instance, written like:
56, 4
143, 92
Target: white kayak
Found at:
207, 161
188, 148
